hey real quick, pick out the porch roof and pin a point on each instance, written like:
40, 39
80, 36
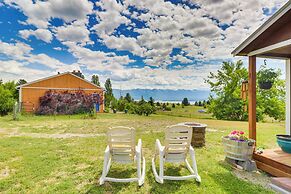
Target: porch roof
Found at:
272, 39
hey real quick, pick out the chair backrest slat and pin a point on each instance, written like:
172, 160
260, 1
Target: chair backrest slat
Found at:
121, 141
177, 141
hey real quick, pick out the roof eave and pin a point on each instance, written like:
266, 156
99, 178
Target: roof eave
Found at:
277, 15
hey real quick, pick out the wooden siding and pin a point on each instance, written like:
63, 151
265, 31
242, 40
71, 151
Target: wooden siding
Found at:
31, 93
63, 81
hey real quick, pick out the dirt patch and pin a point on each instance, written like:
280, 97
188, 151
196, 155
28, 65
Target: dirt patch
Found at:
4, 173
54, 136
253, 177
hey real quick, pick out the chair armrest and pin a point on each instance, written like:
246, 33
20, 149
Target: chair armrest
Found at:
139, 146
107, 149
191, 148
159, 147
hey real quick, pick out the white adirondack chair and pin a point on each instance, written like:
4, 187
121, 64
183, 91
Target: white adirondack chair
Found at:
177, 145
121, 149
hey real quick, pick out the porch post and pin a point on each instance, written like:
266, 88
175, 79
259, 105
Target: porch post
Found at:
252, 97
288, 96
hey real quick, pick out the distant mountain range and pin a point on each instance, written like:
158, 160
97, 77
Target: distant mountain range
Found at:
164, 95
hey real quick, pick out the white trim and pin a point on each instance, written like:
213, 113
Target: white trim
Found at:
279, 189
271, 47
48, 88
20, 100
288, 98
50, 77
263, 28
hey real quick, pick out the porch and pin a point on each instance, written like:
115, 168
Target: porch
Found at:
271, 40
275, 162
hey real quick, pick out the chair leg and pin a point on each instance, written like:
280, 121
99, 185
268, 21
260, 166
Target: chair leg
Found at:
106, 166
142, 177
158, 178
194, 164
161, 169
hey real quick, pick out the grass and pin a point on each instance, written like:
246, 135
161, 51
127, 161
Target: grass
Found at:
31, 164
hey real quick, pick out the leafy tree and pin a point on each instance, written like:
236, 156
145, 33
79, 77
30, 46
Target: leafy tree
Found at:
158, 104
108, 92
226, 84
95, 80
272, 102
1, 81
11, 86
228, 105
185, 102
21, 82
128, 97
173, 105
6, 101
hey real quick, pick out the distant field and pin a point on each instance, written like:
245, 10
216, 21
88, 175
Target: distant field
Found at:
187, 111
64, 154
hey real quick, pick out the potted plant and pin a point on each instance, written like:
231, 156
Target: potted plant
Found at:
266, 77
237, 146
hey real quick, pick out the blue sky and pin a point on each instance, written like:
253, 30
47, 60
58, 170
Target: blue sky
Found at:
137, 43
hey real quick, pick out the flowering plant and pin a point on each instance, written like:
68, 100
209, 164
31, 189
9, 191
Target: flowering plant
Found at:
237, 135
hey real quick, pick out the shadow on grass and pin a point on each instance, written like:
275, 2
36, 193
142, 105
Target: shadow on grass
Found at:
169, 186
116, 171
232, 184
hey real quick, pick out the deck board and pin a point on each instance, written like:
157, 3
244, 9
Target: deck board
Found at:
275, 162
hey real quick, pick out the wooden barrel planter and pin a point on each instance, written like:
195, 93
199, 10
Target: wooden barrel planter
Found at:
198, 136
238, 150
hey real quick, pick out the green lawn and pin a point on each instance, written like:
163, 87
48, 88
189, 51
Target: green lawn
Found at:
34, 161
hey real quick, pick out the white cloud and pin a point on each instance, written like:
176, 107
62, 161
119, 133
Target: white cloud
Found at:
74, 33
57, 48
109, 19
21, 52
97, 60
39, 13
13, 70
123, 43
41, 34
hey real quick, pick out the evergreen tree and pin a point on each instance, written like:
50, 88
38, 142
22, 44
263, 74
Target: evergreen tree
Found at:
108, 93
128, 97
152, 101
142, 101
185, 102
95, 80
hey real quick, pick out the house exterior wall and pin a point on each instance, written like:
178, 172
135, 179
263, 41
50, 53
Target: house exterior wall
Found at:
30, 94
288, 97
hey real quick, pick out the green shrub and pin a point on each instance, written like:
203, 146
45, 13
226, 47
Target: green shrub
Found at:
6, 101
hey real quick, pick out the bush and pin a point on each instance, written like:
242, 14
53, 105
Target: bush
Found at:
6, 101
66, 103
168, 108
